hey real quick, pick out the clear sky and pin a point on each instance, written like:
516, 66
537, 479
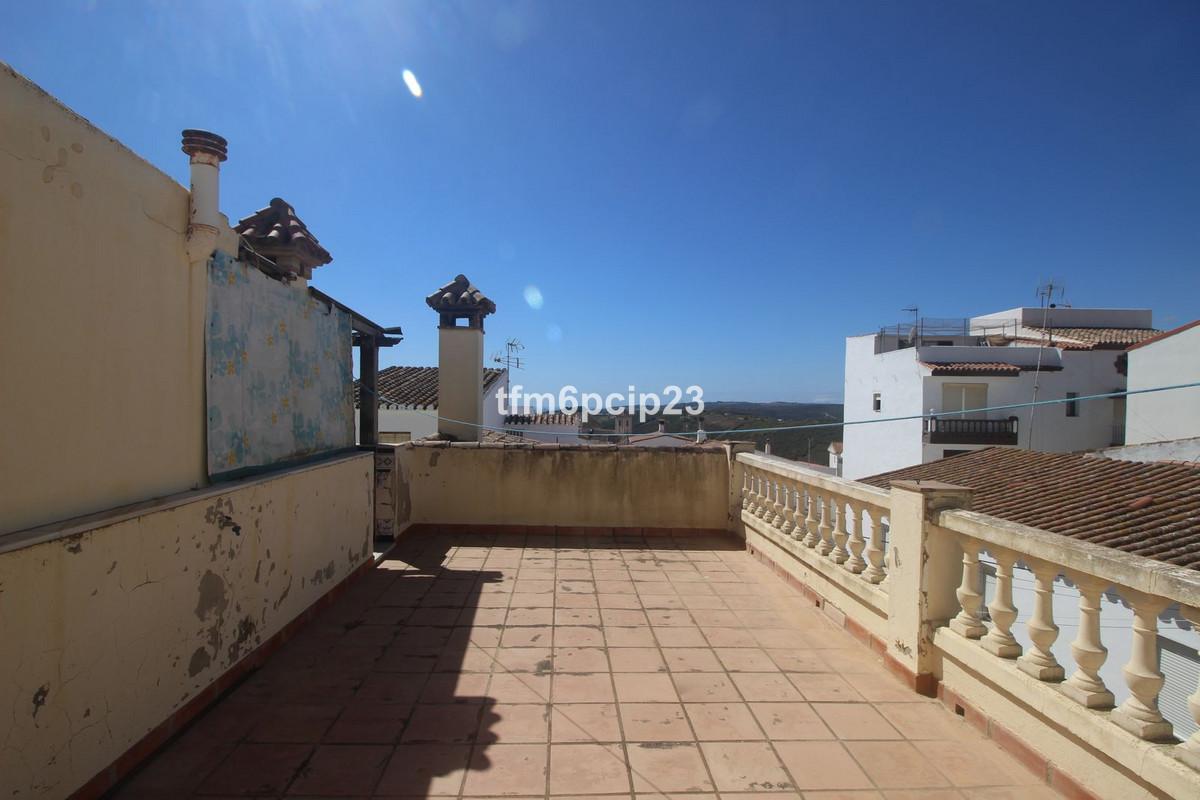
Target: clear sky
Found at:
704, 193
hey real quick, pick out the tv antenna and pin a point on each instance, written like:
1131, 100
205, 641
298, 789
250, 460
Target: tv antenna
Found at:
1046, 293
511, 360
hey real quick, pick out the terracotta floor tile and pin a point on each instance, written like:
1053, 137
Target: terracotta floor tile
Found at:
443, 724
691, 659
532, 600
628, 601
623, 617
565, 600
670, 767
423, 770
177, 770
524, 659
855, 721
583, 688
580, 659
723, 722
730, 637
294, 723
824, 687
644, 687
578, 636
585, 722
896, 765
655, 722
680, 637
579, 768
975, 762
662, 602
507, 769
745, 659
628, 637
1000, 793
925, 721
519, 687
821, 765
450, 687
538, 636
576, 616
704, 687
509, 723
530, 616
787, 721
636, 659
342, 770
745, 766
257, 769
798, 660
369, 723
670, 619
765, 686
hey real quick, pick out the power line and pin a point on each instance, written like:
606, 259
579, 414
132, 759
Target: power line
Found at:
873, 421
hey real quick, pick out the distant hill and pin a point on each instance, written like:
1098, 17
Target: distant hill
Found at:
810, 444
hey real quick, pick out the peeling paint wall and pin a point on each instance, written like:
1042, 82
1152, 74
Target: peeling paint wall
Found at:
570, 487
101, 320
107, 632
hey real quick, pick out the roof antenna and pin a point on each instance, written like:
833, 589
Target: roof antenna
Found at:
1046, 293
510, 359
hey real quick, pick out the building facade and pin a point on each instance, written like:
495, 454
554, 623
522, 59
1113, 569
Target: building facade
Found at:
935, 375
1169, 359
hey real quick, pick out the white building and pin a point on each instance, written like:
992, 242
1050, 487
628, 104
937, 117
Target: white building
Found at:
1168, 359
408, 402
933, 372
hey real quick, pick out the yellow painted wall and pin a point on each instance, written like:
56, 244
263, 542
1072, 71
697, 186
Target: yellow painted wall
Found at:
101, 320
585, 487
104, 633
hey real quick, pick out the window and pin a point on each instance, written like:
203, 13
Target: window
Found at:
876, 402
958, 398
1072, 404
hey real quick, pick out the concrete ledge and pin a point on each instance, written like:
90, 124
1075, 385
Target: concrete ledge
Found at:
1035, 718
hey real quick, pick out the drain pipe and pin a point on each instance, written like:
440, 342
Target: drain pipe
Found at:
206, 151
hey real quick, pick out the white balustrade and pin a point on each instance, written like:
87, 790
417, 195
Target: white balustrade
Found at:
857, 544
874, 552
967, 623
824, 528
1085, 684
999, 640
811, 537
1039, 661
1139, 714
840, 535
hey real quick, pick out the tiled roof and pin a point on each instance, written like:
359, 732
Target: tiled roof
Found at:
416, 387
276, 228
1165, 334
499, 437
1151, 510
550, 418
1085, 338
971, 368
460, 295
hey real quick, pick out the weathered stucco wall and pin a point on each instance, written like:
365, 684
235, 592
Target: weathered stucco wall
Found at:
109, 630
101, 320
575, 486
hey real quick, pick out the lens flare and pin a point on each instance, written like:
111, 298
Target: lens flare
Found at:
533, 296
414, 86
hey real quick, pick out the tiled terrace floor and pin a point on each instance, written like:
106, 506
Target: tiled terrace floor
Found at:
578, 667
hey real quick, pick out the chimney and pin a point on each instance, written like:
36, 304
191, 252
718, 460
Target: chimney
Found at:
206, 151
461, 309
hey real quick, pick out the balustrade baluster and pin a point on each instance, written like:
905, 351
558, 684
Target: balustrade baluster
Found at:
840, 534
874, 571
745, 488
1190, 750
753, 504
857, 544
967, 622
777, 518
789, 509
1085, 684
1039, 661
811, 537
999, 640
825, 528
764, 495
1139, 714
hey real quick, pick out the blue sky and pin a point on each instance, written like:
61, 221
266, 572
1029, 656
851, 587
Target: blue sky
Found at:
704, 193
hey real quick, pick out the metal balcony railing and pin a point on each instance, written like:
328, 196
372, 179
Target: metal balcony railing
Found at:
956, 430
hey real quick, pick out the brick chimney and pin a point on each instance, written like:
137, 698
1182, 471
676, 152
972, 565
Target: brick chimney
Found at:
461, 309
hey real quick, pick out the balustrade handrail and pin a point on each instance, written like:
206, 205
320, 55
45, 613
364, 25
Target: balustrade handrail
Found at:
794, 470
1146, 575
